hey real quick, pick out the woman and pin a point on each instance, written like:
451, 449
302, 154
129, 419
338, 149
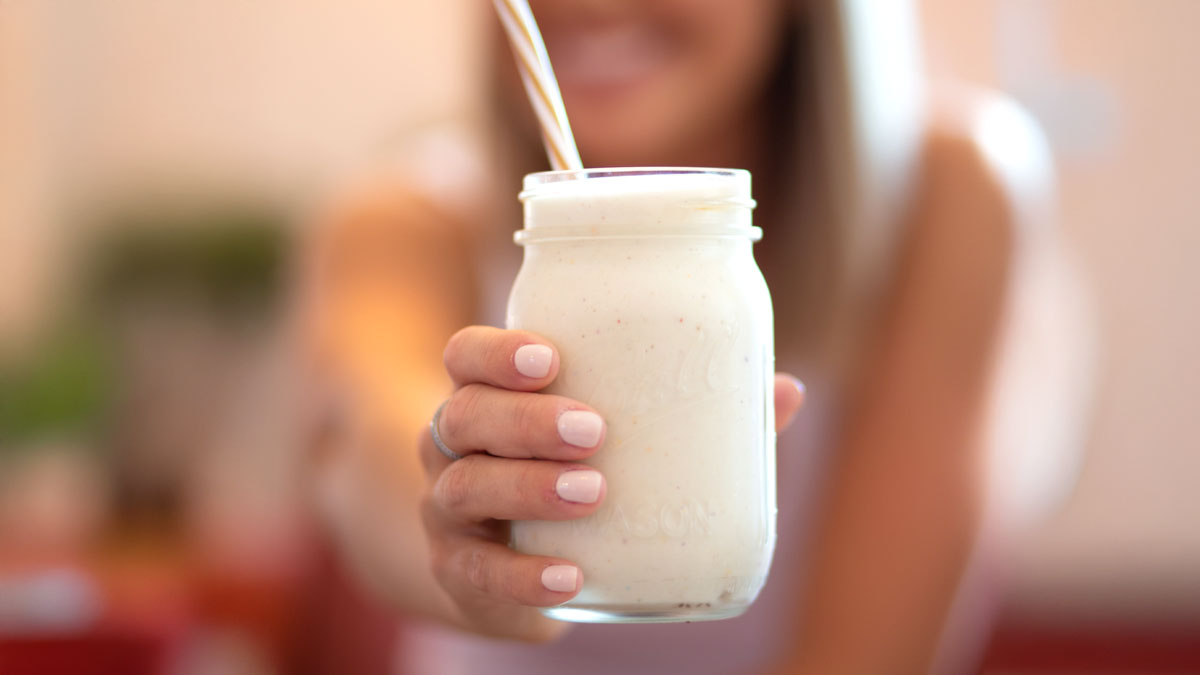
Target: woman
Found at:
896, 240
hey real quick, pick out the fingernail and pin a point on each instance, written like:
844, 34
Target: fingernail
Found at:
560, 578
798, 385
580, 486
580, 428
533, 360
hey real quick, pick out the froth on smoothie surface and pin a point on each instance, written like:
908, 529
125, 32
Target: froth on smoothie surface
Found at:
635, 198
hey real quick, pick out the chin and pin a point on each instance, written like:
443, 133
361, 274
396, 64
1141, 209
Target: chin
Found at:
622, 140
622, 152
623, 126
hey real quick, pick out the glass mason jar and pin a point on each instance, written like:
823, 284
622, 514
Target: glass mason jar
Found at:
645, 281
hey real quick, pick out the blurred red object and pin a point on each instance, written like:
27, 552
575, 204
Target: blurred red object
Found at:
1097, 647
64, 619
344, 630
154, 608
110, 650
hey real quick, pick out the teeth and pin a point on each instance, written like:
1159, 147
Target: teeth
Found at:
605, 56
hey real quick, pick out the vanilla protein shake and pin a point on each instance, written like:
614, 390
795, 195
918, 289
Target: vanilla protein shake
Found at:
645, 281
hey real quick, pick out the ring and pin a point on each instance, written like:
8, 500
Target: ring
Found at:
437, 438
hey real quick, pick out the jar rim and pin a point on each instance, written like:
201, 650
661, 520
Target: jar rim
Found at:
546, 177
735, 184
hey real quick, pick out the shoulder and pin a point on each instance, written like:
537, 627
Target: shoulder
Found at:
979, 206
985, 158
433, 187
379, 202
985, 188
372, 229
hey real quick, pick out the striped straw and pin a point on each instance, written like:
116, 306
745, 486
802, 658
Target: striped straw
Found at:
540, 84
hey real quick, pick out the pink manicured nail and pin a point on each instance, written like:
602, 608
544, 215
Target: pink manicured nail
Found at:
581, 487
580, 428
533, 360
799, 386
560, 578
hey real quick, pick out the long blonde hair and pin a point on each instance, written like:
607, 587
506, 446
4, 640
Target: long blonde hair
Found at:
866, 119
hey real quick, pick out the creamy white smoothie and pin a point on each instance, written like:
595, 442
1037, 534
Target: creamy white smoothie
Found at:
645, 281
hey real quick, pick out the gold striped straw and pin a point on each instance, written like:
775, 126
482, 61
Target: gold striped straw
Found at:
540, 84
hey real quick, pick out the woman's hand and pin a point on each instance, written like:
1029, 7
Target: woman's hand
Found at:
521, 452
521, 461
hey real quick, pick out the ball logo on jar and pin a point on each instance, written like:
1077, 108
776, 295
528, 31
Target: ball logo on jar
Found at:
662, 379
648, 519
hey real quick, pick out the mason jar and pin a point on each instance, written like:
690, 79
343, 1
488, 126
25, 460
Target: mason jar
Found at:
645, 281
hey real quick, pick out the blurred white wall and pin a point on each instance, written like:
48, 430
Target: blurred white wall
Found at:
101, 97
26, 181
1115, 84
262, 91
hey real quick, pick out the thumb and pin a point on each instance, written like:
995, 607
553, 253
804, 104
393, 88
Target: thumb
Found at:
789, 398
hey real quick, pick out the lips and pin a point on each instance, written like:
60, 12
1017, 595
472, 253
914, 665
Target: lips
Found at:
606, 57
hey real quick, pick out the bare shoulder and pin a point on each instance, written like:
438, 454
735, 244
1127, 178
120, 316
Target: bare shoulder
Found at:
985, 157
382, 211
382, 236
382, 250
979, 205
437, 185
989, 197
985, 189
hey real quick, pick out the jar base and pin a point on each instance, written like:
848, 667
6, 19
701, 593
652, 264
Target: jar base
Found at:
676, 613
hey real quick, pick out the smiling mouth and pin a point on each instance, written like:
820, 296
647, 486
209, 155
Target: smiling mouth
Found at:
605, 58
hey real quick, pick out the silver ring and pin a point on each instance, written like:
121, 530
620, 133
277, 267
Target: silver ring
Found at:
437, 438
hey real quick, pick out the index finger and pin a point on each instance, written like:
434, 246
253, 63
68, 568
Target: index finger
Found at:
510, 359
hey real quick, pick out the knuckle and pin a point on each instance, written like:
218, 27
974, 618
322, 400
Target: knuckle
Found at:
498, 354
428, 510
475, 567
528, 416
507, 586
453, 489
462, 408
536, 491
440, 563
455, 347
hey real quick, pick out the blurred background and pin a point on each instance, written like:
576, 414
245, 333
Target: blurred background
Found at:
156, 160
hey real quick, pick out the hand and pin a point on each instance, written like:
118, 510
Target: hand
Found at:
521, 462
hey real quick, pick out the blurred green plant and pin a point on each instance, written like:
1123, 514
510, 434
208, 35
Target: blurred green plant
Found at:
227, 260
62, 390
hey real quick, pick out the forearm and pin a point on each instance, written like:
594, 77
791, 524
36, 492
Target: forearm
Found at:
905, 501
384, 289
887, 561
369, 511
